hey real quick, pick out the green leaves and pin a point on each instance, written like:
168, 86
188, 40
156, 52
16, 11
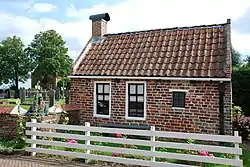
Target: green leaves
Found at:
236, 58
15, 64
49, 55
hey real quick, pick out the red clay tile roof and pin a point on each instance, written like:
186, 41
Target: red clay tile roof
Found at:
6, 109
178, 52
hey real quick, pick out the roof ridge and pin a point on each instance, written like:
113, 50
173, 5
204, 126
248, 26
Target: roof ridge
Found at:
164, 29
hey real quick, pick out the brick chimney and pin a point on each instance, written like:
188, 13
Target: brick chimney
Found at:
99, 24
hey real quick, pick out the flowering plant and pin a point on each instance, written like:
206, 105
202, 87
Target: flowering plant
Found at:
115, 154
71, 141
118, 135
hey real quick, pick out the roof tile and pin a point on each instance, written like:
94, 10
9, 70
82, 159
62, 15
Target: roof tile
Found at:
6, 109
182, 52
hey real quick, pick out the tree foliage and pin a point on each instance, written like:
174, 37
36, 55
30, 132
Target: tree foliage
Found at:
241, 89
15, 64
50, 56
236, 58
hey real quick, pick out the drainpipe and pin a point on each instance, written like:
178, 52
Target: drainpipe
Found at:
221, 107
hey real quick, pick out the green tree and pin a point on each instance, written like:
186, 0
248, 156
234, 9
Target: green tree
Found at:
50, 56
236, 58
240, 83
15, 64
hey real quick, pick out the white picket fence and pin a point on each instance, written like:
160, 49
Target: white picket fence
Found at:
153, 143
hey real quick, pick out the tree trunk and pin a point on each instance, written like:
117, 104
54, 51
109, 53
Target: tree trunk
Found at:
16, 86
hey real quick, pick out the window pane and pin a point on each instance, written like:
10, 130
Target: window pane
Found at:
100, 88
100, 97
140, 113
132, 113
133, 98
106, 88
140, 89
101, 104
140, 105
132, 105
106, 97
103, 108
132, 89
179, 99
140, 98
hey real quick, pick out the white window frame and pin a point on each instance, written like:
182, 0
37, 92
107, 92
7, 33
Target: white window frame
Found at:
95, 100
179, 90
145, 101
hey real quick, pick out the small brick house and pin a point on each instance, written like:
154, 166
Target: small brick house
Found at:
178, 79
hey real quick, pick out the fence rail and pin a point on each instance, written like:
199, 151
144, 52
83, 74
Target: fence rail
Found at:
152, 143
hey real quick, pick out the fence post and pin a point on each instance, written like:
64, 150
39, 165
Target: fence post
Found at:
236, 145
33, 137
152, 129
87, 142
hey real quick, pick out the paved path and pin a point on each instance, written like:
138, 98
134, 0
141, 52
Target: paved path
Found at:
27, 161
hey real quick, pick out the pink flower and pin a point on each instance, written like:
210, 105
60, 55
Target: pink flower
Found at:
118, 135
115, 154
203, 153
72, 141
211, 155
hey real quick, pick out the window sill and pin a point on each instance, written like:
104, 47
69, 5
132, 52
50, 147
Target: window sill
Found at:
101, 116
136, 118
178, 108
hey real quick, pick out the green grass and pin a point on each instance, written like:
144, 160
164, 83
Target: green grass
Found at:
245, 157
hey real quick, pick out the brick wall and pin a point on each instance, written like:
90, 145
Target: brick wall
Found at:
201, 113
99, 28
8, 125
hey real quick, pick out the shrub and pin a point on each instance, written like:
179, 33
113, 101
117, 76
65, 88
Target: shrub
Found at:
241, 123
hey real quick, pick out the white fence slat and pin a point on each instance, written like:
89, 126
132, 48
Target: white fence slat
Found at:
196, 158
91, 129
33, 137
120, 131
197, 136
54, 134
56, 126
106, 158
199, 147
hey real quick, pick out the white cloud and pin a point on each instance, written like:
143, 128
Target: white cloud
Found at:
43, 7
241, 42
133, 15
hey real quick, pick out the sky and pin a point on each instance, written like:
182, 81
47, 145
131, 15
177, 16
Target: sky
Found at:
70, 18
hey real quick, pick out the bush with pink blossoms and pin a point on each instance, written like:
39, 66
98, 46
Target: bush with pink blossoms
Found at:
71, 141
